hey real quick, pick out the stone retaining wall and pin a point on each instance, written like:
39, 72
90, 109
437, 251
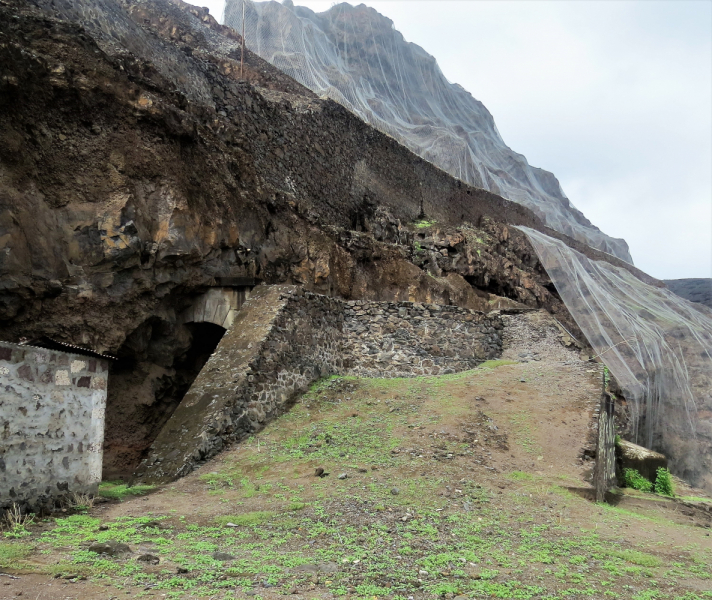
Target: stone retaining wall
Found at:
283, 339
403, 339
52, 408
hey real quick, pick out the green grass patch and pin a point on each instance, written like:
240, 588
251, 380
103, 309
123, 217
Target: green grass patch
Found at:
12, 552
424, 223
521, 476
633, 479
118, 490
249, 519
493, 364
663, 483
637, 558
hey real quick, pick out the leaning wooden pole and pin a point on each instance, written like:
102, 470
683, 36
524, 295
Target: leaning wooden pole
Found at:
242, 54
605, 470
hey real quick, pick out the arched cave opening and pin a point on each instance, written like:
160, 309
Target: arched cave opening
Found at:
156, 366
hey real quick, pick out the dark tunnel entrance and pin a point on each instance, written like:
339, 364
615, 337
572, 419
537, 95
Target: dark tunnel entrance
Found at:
156, 366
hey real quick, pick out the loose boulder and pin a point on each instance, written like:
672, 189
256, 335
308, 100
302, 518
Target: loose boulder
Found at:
111, 547
646, 462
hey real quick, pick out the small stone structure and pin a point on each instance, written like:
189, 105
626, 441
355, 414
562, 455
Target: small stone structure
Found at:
52, 407
218, 305
284, 338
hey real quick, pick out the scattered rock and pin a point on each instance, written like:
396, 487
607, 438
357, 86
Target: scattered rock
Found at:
112, 548
327, 567
223, 556
645, 461
308, 568
343, 476
319, 472
149, 558
103, 528
395, 491
181, 570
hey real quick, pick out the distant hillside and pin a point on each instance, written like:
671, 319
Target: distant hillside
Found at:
355, 56
694, 290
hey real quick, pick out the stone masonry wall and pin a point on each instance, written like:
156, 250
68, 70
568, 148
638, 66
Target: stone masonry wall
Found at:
52, 407
403, 339
283, 339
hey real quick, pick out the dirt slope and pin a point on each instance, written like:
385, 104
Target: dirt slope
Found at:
462, 485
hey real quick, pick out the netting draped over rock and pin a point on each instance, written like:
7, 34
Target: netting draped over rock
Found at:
354, 56
657, 345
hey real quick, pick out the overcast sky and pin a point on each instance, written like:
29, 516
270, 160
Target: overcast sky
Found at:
613, 97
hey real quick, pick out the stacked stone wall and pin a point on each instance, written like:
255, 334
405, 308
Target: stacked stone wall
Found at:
283, 339
405, 339
52, 407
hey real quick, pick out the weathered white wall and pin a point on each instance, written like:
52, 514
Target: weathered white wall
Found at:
52, 407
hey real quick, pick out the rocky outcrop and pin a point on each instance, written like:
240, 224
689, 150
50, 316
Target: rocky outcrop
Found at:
646, 462
138, 171
355, 56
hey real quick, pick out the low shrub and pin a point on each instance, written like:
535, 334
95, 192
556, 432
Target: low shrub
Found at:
663, 483
633, 479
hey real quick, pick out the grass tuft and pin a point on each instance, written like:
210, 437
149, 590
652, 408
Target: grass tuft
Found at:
118, 490
12, 552
249, 519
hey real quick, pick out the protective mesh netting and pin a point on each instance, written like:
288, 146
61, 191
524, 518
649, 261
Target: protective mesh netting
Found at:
656, 344
118, 35
354, 56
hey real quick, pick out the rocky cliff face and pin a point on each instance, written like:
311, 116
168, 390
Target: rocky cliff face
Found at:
138, 170
694, 290
354, 55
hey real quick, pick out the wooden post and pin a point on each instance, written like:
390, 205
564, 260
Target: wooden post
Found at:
242, 54
605, 470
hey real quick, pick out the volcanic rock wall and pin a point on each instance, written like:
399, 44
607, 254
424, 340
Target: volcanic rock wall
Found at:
51, 424
122, 197
284, 339
138, 171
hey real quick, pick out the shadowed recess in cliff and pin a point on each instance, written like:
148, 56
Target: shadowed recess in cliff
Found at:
355, 56
157, 365
657, 345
